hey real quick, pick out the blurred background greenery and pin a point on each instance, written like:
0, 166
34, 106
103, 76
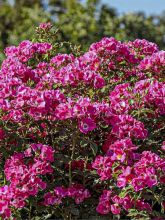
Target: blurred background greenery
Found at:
80, 22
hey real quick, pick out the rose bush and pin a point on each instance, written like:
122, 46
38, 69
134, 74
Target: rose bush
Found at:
82, 134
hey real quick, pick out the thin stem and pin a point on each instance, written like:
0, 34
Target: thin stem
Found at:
30, 210
85, 165
72, 156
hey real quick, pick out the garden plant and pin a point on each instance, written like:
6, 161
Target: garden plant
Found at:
82, 135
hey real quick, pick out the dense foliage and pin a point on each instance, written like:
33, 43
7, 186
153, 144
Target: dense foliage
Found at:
82, 133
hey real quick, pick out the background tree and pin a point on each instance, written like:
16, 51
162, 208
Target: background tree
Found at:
18, 20
79, 24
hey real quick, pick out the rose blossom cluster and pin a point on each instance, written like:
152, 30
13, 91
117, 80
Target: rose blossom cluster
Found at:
45, 26
24, 172
112, 96
75, 191
110, 203
155, 63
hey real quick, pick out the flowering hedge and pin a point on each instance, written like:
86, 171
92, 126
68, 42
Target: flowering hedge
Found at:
82, 134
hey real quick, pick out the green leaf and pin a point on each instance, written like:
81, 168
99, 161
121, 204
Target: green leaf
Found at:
94, 148
125, 191
131, 101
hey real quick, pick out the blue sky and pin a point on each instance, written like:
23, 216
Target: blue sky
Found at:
148, 6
